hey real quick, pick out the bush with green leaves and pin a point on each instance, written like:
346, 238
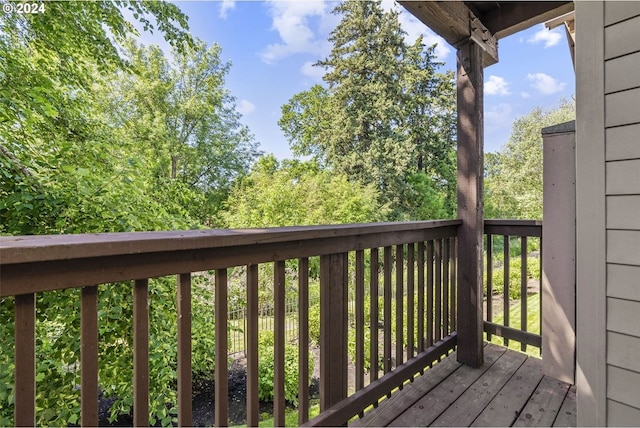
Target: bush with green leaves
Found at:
266, 369
515, 267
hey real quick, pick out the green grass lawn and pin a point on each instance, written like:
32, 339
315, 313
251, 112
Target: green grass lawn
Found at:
533, 323
290, 415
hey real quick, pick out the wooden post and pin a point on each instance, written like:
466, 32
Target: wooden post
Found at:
333, 330
470, 81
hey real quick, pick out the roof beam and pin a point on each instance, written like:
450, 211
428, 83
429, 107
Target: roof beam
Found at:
457, 24
510, 17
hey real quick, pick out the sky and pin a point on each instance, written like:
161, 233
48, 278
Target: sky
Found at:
273, 44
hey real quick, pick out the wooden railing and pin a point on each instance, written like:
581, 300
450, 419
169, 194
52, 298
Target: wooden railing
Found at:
410, 269
504, 232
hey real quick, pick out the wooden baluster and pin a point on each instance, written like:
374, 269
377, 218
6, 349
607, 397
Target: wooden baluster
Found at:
540, 293
410, 299
399, 305
430, 316
422, 316
253, 414
303, 340
184, 350
489, 280
373, 315
89, 356
141, 352
506, 305
222, 371
445, 287
523, 288
279, 342
454, 283
438, 290
387, 309
359, 320
25, 360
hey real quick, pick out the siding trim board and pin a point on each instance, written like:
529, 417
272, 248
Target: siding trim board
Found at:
591, 373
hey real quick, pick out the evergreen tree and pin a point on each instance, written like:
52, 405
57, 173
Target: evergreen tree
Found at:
387, 117
364, 75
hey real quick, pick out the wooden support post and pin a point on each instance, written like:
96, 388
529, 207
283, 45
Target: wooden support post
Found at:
470, 81
333, 329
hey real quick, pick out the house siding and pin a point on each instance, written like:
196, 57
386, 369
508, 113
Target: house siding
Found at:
622, 166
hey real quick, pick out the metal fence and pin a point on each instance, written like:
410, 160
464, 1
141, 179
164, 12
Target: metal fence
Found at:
238, 325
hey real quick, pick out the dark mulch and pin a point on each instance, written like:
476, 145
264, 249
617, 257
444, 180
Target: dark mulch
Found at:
203, 401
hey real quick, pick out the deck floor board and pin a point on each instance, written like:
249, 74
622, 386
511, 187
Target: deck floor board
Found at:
505, 407
508, 390
431, 406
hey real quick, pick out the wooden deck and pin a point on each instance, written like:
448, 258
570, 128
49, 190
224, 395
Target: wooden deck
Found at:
508, 390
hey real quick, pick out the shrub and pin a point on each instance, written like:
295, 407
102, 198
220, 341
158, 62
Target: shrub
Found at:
515, 265
266, 369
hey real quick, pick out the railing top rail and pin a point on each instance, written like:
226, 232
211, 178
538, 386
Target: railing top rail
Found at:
512, 222
38, 248
513, 227
32, 264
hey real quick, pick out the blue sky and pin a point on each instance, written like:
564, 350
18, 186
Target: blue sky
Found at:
272, 44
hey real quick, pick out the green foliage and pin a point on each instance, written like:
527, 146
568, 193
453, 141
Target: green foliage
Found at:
396, 115
515, 267
513, 182
266, 369
298, 193
181, 118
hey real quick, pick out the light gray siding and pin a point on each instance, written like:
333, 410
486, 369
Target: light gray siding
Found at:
617, 73
622, 107
622, 318
622, 415
622, 386
621, 211
623, 350
616, 11
621, 38
622, 142
623, 282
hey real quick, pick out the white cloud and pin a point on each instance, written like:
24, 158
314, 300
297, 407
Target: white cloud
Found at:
496, 85
548, 37
310, 71
545, 83
525, 95
498, 115
245, 107
226, 6
291, 19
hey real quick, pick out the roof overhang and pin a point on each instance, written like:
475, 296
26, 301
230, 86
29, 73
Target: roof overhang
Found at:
484, 23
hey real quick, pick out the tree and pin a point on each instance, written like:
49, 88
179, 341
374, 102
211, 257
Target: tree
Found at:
66, 169
305, 122
299, 193
429, 123
387, 117
363, 72
54, 147
185, 120
513, 183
